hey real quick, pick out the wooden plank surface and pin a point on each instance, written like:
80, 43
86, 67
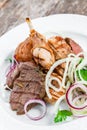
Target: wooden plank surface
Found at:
14, 12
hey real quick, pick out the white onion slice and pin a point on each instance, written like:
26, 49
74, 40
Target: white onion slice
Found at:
65, 73
52, 86
57, 63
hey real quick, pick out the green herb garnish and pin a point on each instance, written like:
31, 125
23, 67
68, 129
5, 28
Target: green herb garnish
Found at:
9, 59
62, 115
83, 73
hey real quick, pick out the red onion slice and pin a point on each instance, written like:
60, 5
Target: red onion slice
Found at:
41, 102
69, 96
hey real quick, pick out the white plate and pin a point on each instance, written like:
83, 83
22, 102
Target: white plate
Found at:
66, 25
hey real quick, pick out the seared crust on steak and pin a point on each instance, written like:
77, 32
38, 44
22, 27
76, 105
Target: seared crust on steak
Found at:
28, 85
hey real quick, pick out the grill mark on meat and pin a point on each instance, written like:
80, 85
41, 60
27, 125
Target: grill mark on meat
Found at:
30, 77
32, 88
24, 97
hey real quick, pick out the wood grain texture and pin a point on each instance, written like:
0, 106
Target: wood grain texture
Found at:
14, 12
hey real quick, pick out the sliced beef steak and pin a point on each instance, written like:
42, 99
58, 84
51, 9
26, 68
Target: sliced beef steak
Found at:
76, 48
28, 85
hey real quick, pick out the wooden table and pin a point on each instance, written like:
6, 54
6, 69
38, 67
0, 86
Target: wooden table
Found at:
14, 12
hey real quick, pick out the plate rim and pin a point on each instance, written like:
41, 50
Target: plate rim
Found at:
44, 17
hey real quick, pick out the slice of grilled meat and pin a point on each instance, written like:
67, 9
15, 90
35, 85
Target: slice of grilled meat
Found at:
28, 84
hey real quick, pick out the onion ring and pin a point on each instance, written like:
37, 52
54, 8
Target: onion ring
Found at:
35, 101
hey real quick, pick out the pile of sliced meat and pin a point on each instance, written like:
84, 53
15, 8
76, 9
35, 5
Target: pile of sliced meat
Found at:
27, 80
28, 83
